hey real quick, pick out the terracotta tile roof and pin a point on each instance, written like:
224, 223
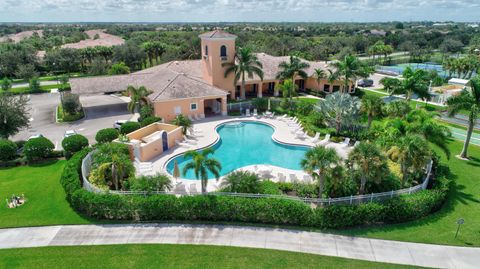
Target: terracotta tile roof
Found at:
217, 34
165, 84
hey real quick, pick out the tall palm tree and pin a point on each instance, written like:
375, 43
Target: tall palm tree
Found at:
184, 122
201, 164
288, 88
245, 64
414, 82
411, 152
370, 162
317, 162
372, 107
137, 98
349, 70
319, 74
468, 99
293, 69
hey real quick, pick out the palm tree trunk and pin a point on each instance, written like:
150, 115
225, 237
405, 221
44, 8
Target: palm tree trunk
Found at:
242, 90
363, 182
321, 182
471, 124
204, 185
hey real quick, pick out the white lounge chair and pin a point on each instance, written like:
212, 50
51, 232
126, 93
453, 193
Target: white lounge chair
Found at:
357, 143
325, 140
193, 188
255, 113
281, 177
346, 143
293, 178
181, 144
283, 118
307, 178
247, 112
315, 138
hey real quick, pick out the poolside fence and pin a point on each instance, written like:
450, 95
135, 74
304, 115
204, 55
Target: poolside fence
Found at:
349, 200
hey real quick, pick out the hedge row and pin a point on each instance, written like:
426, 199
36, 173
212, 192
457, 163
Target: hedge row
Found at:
237, 209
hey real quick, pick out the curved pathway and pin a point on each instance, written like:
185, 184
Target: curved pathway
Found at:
241, 236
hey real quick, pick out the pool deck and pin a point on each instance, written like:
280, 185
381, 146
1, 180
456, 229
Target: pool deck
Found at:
208, 136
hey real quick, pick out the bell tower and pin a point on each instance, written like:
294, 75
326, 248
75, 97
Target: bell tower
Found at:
218, 47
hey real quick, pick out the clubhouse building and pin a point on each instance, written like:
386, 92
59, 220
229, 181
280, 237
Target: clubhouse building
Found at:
199, 88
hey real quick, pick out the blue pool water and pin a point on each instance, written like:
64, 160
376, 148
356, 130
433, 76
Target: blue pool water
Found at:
247, 143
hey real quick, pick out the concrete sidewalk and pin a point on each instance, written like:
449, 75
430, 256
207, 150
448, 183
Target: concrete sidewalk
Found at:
290, 240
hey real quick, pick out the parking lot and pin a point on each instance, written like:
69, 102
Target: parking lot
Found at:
101, 111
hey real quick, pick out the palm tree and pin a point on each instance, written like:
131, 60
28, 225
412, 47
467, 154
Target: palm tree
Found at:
411, 152
372, 106
184, 122
119, 167
319, 74
414, 82
295, 68
317, 162
288, 88
467, 100
391, 85
349, 70
137, 98
245, 63
370, 162
201, 164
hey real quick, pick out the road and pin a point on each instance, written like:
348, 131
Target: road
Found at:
101, 112
42, 83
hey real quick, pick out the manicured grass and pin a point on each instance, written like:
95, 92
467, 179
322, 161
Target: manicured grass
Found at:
439, 228
46, 204
172, 256
44, 88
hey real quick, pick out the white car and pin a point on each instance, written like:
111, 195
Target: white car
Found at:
119, 123
35, 136
69, 133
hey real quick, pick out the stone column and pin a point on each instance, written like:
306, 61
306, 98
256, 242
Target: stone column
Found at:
260, 90
224, 106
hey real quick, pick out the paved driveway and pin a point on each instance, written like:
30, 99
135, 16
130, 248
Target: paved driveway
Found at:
101, 112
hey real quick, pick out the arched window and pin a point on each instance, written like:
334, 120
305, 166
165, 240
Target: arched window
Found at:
223, 51
206, 50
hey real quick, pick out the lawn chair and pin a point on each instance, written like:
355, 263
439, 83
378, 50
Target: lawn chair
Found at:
255, 113
307, 178
193, 188
346, 143
281, 177
293, 178
247, 112
315, 140
325, 140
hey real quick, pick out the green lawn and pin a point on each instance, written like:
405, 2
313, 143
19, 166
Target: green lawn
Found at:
439, 228
44, 88
46, 203
172, 256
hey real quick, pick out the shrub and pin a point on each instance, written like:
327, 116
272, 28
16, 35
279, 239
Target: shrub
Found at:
269, 187
70, 103
129, 127
242, 181
146, 111
238, 209
8, 150
304, 108
261, 104
149, 120
106, 135
158, 182
74, 144
38, 148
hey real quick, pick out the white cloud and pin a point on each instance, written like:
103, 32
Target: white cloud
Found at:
215, 10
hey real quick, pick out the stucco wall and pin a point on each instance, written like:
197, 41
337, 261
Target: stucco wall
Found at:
213, 71
166, 110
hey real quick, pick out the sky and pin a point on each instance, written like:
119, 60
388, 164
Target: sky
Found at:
238, 10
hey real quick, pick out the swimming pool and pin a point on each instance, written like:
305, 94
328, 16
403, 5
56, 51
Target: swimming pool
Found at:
247, 143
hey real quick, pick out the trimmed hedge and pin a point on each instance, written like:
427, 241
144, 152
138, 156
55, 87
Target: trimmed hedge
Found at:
238, 209
129, 127
8, 150
74, 144
106, 135
38, 148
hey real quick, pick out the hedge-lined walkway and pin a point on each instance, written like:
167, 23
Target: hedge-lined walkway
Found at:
267, 238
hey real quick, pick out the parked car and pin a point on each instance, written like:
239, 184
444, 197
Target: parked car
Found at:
119, 124
69, 133
35, 136
365, 83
